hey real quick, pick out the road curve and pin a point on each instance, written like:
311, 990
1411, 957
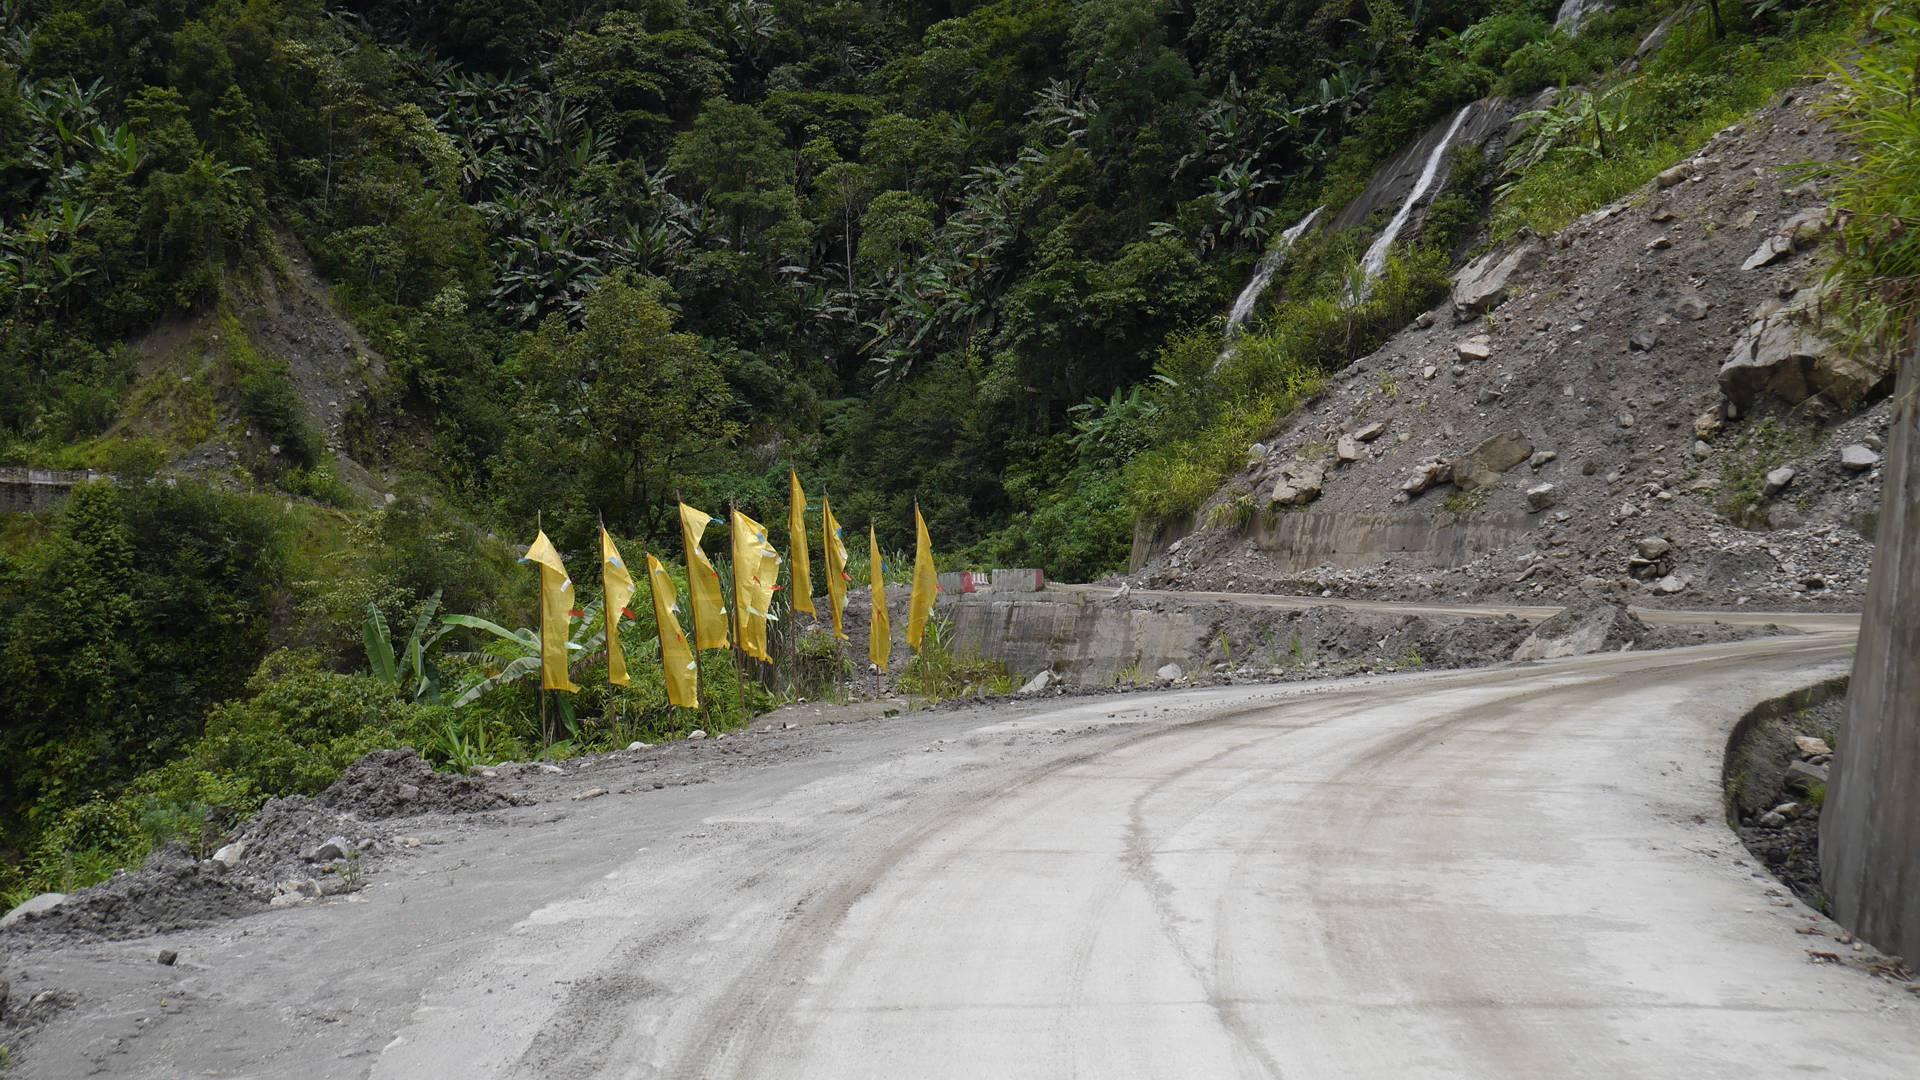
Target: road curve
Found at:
1519, 872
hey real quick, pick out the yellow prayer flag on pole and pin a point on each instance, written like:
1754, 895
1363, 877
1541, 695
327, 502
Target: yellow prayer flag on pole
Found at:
802, 571
756, 567
834, 553
616, 590
703, 584
880, 640
556, 614
926, 582
676, 656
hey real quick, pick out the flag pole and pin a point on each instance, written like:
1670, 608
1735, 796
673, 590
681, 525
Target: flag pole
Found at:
540, 636
699, 671
739, 669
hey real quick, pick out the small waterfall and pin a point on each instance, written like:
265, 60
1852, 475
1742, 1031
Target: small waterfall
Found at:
1568, 17
1263, 272
1376, 257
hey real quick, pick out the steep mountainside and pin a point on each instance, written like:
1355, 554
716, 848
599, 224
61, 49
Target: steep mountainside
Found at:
1582, 436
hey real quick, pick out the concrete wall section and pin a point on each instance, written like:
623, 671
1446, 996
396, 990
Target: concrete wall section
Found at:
24, 490
1870, 824
1093, 640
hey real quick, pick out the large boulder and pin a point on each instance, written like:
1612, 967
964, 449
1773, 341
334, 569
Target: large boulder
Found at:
1299, 484
1483, 465
46, 901
1486, 282
1425, 475
1781, 354
1577, 631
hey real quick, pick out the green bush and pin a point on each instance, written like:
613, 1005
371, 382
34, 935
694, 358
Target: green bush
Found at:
147, 603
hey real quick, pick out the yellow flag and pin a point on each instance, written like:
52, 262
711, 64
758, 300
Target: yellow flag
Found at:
703, 584
926, 582
556, 614
802, 571
880, 637
616, 590
676, 657
756, 568
834, 551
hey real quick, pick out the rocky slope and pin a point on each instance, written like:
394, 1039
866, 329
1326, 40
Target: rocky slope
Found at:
1638, 408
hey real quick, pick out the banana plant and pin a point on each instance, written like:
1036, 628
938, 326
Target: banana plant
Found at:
419, 672
521, 650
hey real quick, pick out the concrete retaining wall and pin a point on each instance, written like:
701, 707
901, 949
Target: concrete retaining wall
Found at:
23, 490
1090, 639
1870, 824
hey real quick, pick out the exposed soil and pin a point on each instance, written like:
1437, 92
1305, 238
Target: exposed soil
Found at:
1775, 783
1604, 356
294, 849
399, 783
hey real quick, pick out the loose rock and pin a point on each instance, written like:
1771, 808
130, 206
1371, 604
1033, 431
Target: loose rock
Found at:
1857, 458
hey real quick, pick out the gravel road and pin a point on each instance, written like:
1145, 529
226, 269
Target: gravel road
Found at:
1520, 871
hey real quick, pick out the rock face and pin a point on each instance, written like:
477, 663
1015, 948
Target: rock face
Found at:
1299, 484
1581, 630
1485, 283
1483, 465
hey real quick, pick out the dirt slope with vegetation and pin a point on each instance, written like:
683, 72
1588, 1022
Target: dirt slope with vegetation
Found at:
1589, 413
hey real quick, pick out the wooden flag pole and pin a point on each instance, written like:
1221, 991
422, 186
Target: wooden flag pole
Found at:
739, 669
540, 634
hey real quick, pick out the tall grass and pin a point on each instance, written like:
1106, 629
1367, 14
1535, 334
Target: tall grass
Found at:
1213, 409
1693, 87
1878, 272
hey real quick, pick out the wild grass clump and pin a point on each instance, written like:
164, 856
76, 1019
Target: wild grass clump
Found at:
1212, 407
1594, 146
1762, 447
1877, 276
936, 674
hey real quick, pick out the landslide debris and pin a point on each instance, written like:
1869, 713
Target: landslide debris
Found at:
1659, 376
294, 849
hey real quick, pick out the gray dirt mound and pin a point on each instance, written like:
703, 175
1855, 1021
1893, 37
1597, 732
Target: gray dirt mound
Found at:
1599, 626
172, 891
294, 849
1269, 638
397, 783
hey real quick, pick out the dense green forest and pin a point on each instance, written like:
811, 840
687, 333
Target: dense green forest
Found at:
612, 254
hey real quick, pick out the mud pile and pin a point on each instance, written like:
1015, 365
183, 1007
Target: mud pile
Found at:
398, 783
293, 850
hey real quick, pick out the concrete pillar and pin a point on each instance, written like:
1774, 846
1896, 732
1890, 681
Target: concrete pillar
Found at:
1870, 822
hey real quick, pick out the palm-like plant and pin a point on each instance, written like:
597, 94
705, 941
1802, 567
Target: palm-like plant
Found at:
419, 672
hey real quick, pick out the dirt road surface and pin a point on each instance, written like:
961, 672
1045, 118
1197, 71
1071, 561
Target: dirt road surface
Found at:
1521, 872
